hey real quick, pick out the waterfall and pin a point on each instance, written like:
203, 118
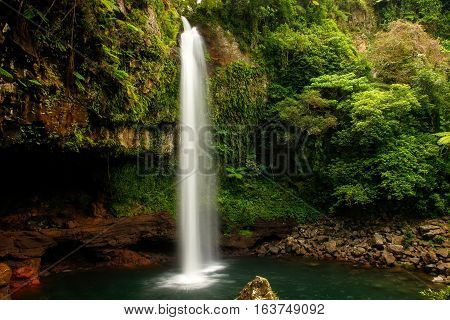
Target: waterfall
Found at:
197, 191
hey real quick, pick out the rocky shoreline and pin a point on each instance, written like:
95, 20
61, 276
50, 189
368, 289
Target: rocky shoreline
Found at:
148, 240
411, 245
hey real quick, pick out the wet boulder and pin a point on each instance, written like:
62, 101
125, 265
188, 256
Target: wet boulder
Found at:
274, 250
257, 289
395, 248
388, 258
378, 241
330, 246
443, 252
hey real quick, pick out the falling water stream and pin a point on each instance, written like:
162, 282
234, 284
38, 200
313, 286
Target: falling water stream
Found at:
197, 191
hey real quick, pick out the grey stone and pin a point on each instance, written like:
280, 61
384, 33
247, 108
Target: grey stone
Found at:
443, 252
378, 241
397, 239
274, 249
388, 258
395, 248
330, 246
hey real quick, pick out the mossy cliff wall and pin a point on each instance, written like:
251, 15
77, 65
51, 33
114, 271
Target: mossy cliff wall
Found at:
102, 77
87, 74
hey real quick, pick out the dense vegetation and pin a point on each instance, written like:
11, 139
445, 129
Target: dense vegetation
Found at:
367, 81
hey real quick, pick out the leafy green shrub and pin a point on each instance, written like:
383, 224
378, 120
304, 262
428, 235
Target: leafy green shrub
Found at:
249, 19
378, 115
294, 57
310, 113
375, 152
245, 233
441, 294
398, 54
431, 13
133, 194
407, 169
238, 94
242, 202
438, 240
444, 138
408, 238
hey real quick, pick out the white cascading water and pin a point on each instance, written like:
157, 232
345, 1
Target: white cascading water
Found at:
198, 228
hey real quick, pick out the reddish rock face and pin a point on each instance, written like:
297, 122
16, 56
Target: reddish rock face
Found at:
26, 274
23, 249
24, 244
107, 232
63, 117
123, 258
5, 275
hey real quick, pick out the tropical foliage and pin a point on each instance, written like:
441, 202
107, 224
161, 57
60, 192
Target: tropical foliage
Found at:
365, 81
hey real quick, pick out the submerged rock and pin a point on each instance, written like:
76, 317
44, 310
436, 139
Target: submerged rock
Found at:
257, 289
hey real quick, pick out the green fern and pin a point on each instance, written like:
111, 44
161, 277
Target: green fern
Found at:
109, 5
444, 138
5, 73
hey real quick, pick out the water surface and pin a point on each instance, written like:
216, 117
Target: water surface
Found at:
291, 278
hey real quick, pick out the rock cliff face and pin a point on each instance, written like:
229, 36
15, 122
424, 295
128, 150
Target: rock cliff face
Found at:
83, 92
107, 239
112, 232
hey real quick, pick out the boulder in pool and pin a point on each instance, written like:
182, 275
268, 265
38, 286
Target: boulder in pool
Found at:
257, 289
